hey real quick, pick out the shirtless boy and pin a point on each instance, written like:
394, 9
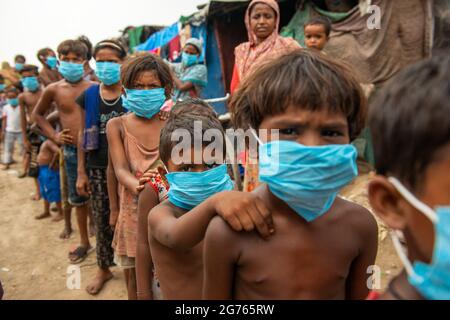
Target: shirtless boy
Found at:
72, 54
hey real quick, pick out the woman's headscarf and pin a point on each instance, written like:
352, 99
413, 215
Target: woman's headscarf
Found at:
249, 54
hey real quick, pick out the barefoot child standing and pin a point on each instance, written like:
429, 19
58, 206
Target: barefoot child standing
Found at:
11, 126
100, 104
134, 148
72, 55
31, 140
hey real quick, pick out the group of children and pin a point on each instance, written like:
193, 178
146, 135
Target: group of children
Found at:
181, 229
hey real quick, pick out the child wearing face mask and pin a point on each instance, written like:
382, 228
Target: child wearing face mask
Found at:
190, 76
27, 101
49, 72
199, 190
323, 244
63, 94
410, 126
11, 126
133, 141
99, 104
19, 62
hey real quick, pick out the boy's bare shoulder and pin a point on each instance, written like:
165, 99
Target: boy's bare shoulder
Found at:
219, 231
355, 216
158, 212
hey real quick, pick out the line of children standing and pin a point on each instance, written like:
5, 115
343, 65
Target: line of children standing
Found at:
180, 231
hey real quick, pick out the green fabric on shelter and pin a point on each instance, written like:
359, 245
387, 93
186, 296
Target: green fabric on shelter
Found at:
333, 16
295, 27
134, 36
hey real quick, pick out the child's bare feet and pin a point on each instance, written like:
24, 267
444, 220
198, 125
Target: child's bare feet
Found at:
99, 281
43, 216
58, 218
6, 167
66, 233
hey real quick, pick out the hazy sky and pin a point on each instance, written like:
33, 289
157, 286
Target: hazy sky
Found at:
29, 25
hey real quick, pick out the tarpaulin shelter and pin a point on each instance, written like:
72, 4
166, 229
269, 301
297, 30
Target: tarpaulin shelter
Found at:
410, 29
405, 36
133, 36
196, 26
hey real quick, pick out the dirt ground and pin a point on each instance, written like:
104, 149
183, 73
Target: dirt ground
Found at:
33, 260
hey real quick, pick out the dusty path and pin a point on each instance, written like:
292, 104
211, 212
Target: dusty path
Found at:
33, 260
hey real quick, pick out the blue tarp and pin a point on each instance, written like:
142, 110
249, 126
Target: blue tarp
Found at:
160, 38
214, 88
211, 54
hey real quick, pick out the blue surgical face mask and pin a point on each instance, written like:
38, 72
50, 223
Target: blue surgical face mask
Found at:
308, 179
19, 66
72, 72
189, 59
431, 280
2, 87
30, 83
108, 72
189, 189
51, 62
14, 102
144, 103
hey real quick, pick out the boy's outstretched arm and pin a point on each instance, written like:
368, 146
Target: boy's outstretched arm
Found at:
144, 264
117, 154
357, 286
220, 255
243, 211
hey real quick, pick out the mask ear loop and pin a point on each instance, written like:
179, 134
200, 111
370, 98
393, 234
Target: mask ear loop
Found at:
416, 203
402, 255
422, 207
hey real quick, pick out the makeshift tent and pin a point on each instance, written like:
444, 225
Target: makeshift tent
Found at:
441, 10
164, 41
404, 37
133, 36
